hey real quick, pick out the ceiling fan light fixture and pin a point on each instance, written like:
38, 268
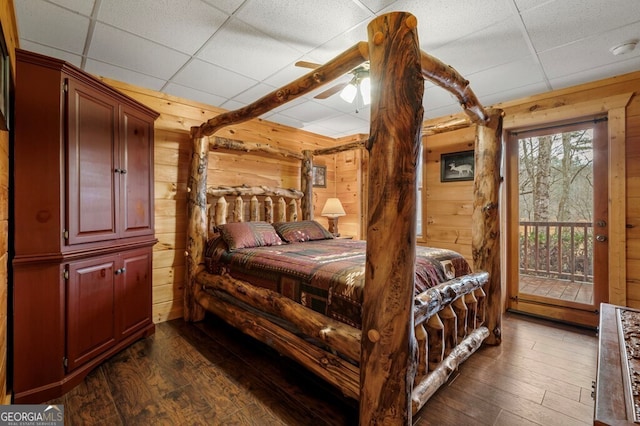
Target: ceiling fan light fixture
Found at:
365, 90
348, 94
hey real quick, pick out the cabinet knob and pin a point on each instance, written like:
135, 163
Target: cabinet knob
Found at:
120, 271
116, 170
123, 171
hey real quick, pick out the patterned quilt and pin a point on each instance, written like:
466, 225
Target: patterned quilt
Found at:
327, 275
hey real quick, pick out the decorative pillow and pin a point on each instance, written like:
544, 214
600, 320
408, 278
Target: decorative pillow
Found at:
239, 235
306, 230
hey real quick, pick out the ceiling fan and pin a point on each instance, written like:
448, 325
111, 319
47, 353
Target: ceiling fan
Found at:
358, 89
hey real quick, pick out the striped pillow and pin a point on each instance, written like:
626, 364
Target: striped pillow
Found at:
298, 232
239, 235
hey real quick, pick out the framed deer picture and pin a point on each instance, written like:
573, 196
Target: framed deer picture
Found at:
456, 166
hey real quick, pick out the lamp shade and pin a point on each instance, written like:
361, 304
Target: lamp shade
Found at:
333, 208
365, 89
348, 94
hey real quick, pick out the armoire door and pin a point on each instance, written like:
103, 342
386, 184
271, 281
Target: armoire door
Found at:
133, 288
92, 190
136, 173
91, 303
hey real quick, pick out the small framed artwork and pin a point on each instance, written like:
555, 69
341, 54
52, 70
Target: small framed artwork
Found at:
5, 83
456, 166
319, 178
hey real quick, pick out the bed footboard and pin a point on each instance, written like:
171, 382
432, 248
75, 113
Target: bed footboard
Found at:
449, 327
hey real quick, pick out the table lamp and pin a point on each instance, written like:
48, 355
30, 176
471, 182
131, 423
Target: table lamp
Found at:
333, 210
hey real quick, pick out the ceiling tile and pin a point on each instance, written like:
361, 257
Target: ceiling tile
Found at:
229, 46
377, 5
437, 97
302, 24
339, 44
505, 77
284, 120
491, 46
443, 21
523, 5
184, 25
134, 53
563, 21
516, 93
228, 6
116, 73
254, 93
344, 124
204, 76
51, 26
194, 94
84, 7
288, 73
308, 111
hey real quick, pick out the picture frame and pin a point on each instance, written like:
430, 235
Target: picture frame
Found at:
319, 177
5, 83
457, 166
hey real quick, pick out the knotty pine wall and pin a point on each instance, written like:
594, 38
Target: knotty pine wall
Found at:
447, 206
172, 153
350, 187
10, 32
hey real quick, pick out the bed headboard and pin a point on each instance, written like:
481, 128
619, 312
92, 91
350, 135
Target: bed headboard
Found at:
251, 204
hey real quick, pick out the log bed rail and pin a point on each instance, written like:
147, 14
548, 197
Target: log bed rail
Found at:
394, 348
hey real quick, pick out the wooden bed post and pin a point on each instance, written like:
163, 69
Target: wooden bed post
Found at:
197, 222
485, 239
388, 356
306, 184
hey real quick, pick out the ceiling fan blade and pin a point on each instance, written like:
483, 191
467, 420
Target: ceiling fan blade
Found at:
305, 64
330, 91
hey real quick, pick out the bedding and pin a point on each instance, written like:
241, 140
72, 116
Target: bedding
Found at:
324, 275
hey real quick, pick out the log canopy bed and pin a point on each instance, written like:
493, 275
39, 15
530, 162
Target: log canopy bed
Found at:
406, 343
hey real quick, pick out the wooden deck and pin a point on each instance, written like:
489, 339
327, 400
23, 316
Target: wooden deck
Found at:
210, 374
580, 292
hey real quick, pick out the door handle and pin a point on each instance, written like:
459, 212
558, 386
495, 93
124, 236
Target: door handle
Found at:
601, 238
601, 223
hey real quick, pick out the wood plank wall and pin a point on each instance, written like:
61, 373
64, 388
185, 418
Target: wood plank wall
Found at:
350, 183
10, 32
448, 205
172, 152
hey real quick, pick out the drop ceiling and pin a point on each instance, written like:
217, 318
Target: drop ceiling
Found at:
228, 53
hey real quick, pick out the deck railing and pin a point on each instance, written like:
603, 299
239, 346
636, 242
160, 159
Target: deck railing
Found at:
562, 250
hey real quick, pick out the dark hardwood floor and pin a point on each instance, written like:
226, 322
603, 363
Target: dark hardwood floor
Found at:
210, 374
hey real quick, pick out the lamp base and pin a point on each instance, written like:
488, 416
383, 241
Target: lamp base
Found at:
333, 226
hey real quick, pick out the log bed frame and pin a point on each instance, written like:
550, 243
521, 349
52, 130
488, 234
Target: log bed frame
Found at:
408, 347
